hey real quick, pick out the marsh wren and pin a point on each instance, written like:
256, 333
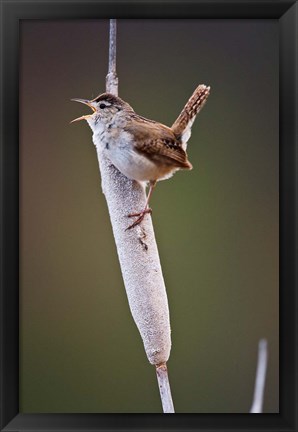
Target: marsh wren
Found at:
141, 149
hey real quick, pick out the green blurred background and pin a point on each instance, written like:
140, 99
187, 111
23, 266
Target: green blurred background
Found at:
216, 226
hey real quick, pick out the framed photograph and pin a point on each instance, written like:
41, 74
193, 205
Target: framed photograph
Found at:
72, 355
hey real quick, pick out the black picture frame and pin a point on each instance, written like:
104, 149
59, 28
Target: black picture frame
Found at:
13, 11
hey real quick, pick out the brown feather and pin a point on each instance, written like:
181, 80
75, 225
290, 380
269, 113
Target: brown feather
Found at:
157, 141
191, 109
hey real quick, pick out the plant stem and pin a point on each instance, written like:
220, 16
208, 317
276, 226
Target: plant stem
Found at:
112, 79
257, 405
164, 388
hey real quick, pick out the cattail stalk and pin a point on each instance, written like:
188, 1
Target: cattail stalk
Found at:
138, 254
258, 398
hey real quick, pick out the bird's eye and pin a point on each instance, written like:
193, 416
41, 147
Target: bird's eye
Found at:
102, 106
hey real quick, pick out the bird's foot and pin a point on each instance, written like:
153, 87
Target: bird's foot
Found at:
140, 215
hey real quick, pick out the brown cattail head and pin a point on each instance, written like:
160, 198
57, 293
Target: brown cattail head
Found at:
182, 126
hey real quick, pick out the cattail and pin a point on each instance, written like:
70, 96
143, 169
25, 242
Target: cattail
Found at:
137, 250
139, 260
138, 256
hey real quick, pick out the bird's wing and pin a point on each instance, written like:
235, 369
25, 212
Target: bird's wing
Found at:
158, 142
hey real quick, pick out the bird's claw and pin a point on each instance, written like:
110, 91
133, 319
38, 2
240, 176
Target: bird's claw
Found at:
140, 215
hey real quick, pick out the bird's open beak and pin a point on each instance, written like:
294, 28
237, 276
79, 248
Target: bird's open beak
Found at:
85, 102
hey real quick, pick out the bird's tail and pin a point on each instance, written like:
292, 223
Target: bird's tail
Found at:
182, 126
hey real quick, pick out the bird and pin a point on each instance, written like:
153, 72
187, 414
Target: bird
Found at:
141, 149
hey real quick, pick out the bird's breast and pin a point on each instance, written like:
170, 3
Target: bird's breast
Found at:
130, 162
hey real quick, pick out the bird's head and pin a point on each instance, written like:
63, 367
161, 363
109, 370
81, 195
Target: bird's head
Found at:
104, 107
